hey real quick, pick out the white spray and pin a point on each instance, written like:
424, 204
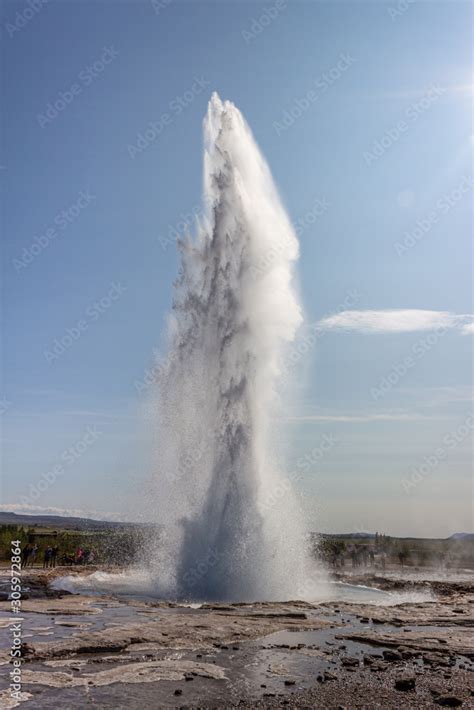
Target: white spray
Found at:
229, 533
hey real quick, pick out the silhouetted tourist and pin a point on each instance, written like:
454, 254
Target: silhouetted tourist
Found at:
354, 557
33, 555
47, 556
364, 554
54, 554
403, 556
26, 554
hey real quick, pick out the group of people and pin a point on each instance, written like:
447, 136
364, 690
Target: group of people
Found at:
31, 553
49, 557
362, 555
80, 557
359, 555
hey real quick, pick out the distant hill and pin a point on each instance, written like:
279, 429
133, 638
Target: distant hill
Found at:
462, 536
59, 522
350, 535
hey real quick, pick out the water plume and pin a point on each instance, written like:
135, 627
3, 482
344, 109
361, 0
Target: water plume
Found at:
232, 527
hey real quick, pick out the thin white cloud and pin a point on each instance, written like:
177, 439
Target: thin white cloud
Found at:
468, 329
96, 413
406, 320
438, 396
48, 393
461, 90
66, 413
358, 418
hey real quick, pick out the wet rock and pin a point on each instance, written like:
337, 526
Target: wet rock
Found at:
350, 661
26, 649
290, 681
149, 672
378, 666
368, 660
178, 691
436, 659
364, 620
392, 655
280, 615
450, 701
405, 682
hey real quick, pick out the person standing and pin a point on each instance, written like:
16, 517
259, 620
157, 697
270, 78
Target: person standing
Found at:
33, 555
26, 555
54, 554
47, 556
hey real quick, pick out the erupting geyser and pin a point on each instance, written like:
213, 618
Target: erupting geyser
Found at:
232, 528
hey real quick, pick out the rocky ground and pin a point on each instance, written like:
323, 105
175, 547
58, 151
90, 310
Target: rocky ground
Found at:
80, 651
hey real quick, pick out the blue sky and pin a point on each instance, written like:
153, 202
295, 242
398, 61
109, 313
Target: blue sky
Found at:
363, 111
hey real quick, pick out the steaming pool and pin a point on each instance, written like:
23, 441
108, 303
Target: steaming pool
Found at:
137, 585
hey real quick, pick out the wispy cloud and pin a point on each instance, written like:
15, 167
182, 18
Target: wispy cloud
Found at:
361, 418
96, 413
468, 329
47, 393
428, 397
407, 320
462, 90
80, 413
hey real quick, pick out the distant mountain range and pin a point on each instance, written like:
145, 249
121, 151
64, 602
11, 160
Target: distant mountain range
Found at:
354, 534
61, 522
